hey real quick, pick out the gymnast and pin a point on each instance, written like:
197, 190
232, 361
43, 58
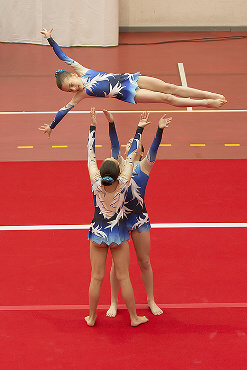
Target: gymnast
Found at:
131, 88
137, 219
108, 228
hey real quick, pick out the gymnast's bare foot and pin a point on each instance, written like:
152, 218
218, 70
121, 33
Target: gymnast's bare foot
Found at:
154, 308
211, 103
112, 312
138, 320
215, 96
90, 320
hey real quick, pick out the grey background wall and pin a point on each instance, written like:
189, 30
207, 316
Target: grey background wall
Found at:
182, 14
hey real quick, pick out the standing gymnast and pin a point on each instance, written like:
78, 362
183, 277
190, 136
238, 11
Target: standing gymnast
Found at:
137, 219
108, 228
132, 88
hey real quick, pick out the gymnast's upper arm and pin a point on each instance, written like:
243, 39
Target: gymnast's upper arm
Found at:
77, 97
80, 70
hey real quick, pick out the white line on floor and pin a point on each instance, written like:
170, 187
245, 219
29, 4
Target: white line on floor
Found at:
154, 226
135, 111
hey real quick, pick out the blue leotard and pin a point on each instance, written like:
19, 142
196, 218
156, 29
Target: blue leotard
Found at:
120, 86
111, 230
108, 225
136, 215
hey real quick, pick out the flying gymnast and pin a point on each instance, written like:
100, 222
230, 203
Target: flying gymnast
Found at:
108, 228
131, 88
135, 212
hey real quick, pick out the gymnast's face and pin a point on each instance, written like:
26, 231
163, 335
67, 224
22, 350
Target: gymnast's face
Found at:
139, 152
72, 84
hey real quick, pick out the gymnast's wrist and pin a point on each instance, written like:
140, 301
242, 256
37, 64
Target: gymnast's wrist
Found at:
139, 130
53, 124
50, 40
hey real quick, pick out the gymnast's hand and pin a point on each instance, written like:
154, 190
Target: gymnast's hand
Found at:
164, 122
46, 129
46, 33
108, 115
144, 120
93, 117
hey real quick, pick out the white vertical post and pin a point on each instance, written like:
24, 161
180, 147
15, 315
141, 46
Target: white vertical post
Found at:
183, 79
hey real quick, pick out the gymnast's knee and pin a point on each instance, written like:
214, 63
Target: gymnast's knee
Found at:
144, 264
122, 275
98, 276
167, 98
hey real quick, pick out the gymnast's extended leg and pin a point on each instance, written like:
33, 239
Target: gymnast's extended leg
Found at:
148, 96
155, 84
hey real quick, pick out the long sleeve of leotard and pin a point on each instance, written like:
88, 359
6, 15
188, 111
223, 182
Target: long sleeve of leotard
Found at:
115, 146
136, 141
60, 114
59, 53
152, 153
127, 172
92, 163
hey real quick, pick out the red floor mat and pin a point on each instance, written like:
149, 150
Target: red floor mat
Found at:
190, 266
51, 193
179, 339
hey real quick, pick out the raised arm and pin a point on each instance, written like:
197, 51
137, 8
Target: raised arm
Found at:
94, 172
80, 70
115, 146
148, 161
128, 169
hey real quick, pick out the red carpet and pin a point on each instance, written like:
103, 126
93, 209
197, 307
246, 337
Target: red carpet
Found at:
50, 193
190, 265
179, 339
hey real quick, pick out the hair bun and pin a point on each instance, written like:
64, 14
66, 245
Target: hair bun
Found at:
59, 71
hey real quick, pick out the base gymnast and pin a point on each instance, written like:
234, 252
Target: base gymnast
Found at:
108, 228
131, 88
136, 215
